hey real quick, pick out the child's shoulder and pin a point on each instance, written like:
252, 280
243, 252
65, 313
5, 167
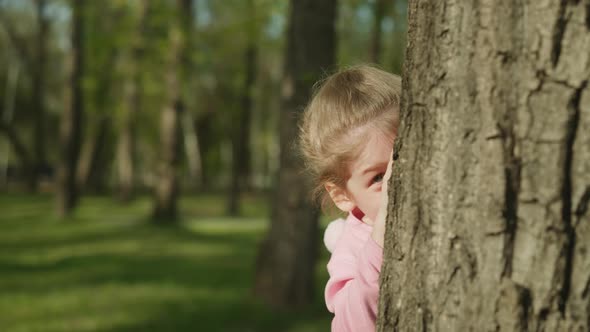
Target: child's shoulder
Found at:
351, 228
333, 232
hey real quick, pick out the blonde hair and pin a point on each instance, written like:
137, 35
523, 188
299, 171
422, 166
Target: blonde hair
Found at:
335, 123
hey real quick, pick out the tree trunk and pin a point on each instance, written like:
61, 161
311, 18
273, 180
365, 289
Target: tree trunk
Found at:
398, 37
70, 130
18, 147
126, 140
125, 161
90, 155
376, 44
192, 150
203, 125
165, 205
7, 130
287, 257
240, 177
38, 95
97, 148
489, 228
192, 144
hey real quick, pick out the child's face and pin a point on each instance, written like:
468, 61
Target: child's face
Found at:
364, 184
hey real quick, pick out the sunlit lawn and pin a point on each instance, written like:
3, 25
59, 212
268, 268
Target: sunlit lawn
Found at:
108, 269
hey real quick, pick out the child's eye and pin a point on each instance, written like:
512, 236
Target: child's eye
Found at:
378, 178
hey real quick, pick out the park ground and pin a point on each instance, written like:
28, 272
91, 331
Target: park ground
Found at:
109, 269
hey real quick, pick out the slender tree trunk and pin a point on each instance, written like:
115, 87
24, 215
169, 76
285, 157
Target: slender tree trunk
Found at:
165, 205
90, 174
287, 257
125, 158
38, 95
192, 143
12, 139
489, 228
126, 141
91, 164
376, 38
192, 150
18, 147
70, 130
240, 177
203, 125
399, 37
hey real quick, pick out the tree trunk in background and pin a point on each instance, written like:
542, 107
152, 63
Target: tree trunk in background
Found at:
193, 151
126, 154
71, 120
18, 147
38, 95
97, 146
489, 228
399, 37
165, 204
287, 257
17, 47
378, 14
90, 150
191, 140
92, 162
7, 129
203, 125
240, 177
126, 140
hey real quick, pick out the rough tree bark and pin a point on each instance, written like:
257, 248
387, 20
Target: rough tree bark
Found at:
71, 119
489, 228
287, 256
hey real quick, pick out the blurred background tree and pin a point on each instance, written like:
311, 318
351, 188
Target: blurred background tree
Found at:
166, 111
287, 257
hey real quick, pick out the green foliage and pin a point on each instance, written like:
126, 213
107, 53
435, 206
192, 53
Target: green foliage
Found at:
107, 270
355, 21
213, 72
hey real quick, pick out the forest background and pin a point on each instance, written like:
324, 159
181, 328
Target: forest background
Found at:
139, 156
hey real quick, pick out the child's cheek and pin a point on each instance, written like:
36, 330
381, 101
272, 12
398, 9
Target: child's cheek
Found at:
378, 187
373, 205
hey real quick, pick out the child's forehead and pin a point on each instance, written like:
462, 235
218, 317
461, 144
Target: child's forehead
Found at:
370, 132
374, 151
370, 135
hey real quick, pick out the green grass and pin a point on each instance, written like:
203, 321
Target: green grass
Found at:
108, 269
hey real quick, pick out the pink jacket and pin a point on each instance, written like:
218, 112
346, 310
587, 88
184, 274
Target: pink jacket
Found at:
353, 289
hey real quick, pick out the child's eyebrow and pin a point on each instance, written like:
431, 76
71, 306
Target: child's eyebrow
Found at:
373, 168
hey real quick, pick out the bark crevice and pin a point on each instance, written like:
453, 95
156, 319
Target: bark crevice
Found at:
570, 232
558, 32
582, 207
511, 188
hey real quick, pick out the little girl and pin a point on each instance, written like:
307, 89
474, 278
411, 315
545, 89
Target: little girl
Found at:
347, 138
